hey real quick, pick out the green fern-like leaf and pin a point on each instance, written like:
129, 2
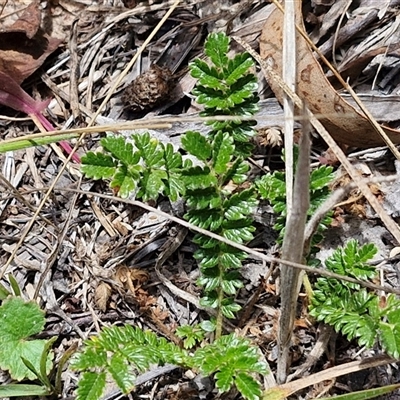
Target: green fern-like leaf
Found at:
206, 219
148, 168
225, 256
272, 187
320, 178
120, 352
119, 370
231, 282
91, 386
123, 181
352, 260
240, 205
224, 379
174, 186
150, 150
199, 178
120, 150
152, 184
98, 165
237, 172
216, 47
194, 334
202, 199
229, 308
227, 87
197, 145
231, 258
232, 359
94, 356
238, 230
222, 151
238, 67
389, 326
247, 386
350, 309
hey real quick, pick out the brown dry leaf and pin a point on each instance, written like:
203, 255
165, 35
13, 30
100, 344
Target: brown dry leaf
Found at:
355, 202
132, 279
343, 121
144, 300
270, 136
24, 45
160, 314
29, 22
102, 296
139, 276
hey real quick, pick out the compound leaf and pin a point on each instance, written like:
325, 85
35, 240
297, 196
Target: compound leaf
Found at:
121, 374
98, 165
224, 379
238, 67
120, 149
247, 386
222, 152
216, 47
321, 177
197, 145
91, 386
152, 184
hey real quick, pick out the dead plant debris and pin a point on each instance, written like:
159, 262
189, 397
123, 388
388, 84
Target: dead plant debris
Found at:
103, 272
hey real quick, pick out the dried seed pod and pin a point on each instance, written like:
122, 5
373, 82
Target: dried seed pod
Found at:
150, 89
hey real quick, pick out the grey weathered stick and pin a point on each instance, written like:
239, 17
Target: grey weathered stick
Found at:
289, 76
292, 250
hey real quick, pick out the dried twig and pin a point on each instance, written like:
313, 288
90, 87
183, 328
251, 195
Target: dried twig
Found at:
292, 250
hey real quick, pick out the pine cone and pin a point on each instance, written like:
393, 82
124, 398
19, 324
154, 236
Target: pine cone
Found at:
149, 89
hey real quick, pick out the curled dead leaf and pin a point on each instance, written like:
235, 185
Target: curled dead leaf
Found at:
102, 296
270, 136
345, 123
24, 45
29, 22
130, 278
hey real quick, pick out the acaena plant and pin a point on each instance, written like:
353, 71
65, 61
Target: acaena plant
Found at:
356, 311
272, 187
208, 178
210, 187
121, 353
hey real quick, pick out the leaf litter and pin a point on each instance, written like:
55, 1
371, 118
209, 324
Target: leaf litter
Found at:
84, 287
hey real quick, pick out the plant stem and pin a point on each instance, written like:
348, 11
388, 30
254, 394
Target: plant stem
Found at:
218, 329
